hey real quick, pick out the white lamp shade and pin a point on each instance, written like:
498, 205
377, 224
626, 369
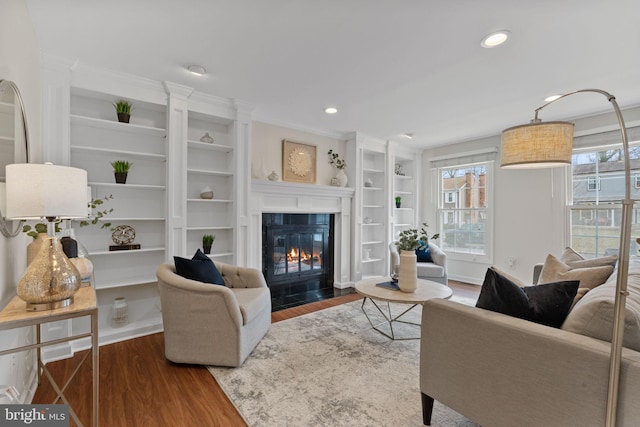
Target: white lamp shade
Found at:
37, 191
537, 145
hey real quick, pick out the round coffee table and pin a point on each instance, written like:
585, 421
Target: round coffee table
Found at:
426, 290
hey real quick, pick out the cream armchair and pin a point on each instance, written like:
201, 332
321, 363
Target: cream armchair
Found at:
208, 324
435, 271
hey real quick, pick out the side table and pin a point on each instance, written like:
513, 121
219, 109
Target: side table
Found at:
14, 315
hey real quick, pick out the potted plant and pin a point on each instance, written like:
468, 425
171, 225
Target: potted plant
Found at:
207, 242
123, 109
120, 170
408, 241
340, 180
398, 201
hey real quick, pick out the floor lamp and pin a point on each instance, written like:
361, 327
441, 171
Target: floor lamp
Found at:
547, 144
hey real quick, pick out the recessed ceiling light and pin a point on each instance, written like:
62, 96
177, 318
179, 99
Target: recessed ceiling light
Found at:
331, 110
408, 135
198, 70
495, 39
552, 98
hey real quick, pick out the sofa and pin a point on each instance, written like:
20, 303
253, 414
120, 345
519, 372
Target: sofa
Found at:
502, 371
210, 324
435, 271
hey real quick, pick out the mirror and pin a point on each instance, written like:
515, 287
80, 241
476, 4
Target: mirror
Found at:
14, 143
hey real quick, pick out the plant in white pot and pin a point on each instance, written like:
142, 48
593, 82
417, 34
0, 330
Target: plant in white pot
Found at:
340, 180
409, 240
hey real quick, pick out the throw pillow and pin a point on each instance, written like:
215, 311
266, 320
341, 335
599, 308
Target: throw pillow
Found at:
574, 260
546, 304
555, 270
424, 255
199, 268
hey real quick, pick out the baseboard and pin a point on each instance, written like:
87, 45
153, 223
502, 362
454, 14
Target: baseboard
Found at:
343, 285
465, 279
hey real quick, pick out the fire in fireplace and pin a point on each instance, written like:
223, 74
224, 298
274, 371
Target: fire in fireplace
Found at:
297, 255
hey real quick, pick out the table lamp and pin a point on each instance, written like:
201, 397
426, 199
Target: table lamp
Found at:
47, 192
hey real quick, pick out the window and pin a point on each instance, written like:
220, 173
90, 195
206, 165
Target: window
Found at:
463, 215
449, 197
593, 183
597, 191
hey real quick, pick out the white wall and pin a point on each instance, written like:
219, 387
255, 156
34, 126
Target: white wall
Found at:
266, 150
530, 215
19, 62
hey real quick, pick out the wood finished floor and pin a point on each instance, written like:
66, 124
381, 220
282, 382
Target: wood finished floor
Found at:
139, 387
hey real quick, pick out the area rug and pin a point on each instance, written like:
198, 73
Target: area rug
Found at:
330, 368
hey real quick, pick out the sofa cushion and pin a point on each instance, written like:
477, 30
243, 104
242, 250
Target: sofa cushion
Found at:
199, 268
574, 260
429, 269
555, 270
547, 304
424, 254
594, 314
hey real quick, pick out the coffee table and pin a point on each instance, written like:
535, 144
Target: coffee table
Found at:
426, 290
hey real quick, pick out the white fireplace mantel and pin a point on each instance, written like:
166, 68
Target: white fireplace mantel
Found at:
288, 197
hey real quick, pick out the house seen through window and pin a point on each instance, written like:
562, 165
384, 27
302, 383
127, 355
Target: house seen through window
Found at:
597, 193
463, 211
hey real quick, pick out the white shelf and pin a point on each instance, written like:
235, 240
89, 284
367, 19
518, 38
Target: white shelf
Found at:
150, 325
112, 219
126, 283
403, 177
148, 156
404, 209
402, 225
209, 228
373, 276
209, 172
370, 170
373, 188
207, 146
373, 242
6, 138
129, 252
403, 192
367, 261
220, 254
116, 126
373, 224
209, 201
128, 186
372, 206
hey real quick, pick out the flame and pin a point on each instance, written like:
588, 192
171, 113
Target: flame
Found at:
294, 255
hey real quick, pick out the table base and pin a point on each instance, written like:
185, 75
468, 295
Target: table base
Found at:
389, 319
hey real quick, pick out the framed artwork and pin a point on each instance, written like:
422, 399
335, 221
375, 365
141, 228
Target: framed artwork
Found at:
298, 162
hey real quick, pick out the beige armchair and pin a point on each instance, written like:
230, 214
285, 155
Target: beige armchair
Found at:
208, 324
435, 271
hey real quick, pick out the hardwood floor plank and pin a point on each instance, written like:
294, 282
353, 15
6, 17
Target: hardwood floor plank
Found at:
140, 388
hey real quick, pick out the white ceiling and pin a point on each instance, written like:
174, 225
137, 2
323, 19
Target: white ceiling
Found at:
389, 66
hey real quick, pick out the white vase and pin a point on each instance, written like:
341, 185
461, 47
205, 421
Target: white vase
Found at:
408, 274
341, 178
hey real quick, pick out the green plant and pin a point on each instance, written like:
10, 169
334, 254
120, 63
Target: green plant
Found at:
122, 107
207, 239
41, 227
121, 166
412, 239
98, 214
398, 199
334, 159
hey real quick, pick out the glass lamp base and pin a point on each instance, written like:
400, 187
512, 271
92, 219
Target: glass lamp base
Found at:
44, 306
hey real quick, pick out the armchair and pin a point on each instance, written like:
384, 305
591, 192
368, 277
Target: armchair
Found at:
210, 324
435, 271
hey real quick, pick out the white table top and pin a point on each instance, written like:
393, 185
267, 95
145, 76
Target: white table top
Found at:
426, 290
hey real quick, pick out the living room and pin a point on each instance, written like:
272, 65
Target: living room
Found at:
528, 214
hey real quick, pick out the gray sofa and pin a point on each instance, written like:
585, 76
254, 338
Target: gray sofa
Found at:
435, 271
501, 371
212, 324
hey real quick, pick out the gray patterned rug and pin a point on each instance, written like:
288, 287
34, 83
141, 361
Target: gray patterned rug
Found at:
329, 368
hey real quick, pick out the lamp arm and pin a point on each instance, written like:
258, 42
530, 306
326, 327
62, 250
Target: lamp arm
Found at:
5, 229
623, 261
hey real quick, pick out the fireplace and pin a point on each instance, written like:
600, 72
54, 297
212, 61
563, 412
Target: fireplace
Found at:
297, 258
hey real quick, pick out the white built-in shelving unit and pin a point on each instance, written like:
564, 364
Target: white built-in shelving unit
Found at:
96, 140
